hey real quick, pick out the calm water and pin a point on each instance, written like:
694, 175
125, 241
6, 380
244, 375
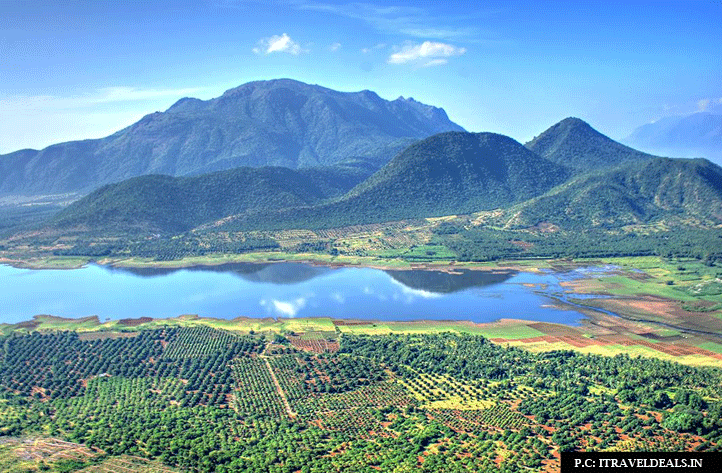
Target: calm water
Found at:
281, 290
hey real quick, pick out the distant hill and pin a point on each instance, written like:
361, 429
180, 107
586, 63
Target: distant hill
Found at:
267, 123
449, 173
641, 192
176, 204
573, 143
695, 135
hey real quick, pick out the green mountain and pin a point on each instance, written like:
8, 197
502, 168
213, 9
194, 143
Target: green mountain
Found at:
176, 204
640, 192
449, 173
575, 144
267, 123
454, 172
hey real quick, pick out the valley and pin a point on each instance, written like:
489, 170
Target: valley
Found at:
287, 279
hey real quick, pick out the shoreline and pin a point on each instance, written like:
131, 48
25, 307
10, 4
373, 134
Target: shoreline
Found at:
63, 263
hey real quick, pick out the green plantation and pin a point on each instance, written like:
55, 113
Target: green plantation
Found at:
197, 398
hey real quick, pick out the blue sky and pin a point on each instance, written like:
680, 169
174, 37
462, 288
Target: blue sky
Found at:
84, 69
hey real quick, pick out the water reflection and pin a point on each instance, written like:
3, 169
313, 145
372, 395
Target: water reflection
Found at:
446, 282
273, 273
280, 290
440, 282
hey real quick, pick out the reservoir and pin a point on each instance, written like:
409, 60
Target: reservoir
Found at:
283, 290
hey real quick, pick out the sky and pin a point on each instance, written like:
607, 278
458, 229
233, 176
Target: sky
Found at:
85, 69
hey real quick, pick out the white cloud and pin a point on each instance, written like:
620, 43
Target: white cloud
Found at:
440, 33
334, 47
709, 104
436, 62
338, 297
278, 44
284, 308
408, 20
429, 51
410, 293
377, 46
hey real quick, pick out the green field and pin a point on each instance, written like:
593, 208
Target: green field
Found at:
187, 395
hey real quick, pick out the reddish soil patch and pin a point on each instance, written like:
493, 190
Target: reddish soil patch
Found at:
134, 322
579, 341
88, 336
314, 346
521, 244
554, 329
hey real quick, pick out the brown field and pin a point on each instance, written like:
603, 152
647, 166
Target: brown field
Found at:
49, 449
314, 346
134, 322
88, 336
128, 464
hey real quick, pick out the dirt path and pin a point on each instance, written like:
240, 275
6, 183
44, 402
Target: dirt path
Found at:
291, 414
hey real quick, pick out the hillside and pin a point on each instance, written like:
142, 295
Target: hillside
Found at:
573, 143
695, 135
267, 123
445, 174
175, 204
634, 193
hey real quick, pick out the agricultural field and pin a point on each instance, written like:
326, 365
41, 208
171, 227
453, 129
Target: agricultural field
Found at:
37, 454
188, 396
324, 395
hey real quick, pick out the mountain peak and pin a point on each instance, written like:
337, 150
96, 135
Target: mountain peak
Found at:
279, 122
573, 121
574, 143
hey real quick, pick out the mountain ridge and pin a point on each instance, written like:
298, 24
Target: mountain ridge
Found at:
695, 135
171, 204
448, 173
280, 122
572, 142
633, 193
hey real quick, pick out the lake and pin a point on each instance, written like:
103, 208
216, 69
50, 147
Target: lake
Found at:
283, 290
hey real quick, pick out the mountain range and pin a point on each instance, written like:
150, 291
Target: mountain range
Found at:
571, 175
445, 174
692, 136
266, 123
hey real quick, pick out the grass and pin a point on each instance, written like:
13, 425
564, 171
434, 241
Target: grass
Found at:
711, 346
445, 392
613, 350
511, 332
460, 403
632, 287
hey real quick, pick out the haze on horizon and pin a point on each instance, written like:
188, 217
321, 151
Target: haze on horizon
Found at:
90, 68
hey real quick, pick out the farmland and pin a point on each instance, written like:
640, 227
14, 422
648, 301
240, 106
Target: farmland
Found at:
323, 395
185, 395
